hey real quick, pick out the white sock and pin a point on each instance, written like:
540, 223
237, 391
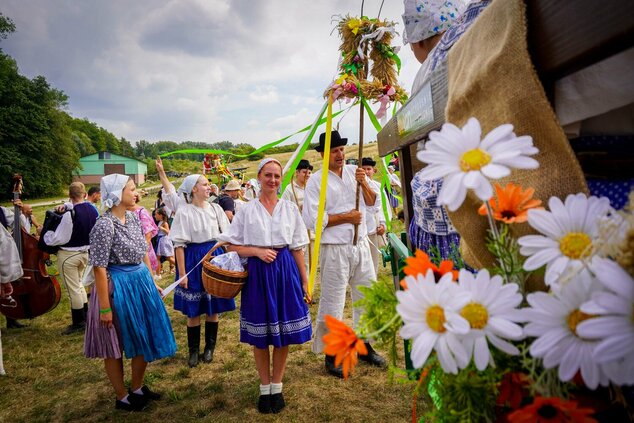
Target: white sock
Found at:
125, 399
276, 388
139, 392
265, 389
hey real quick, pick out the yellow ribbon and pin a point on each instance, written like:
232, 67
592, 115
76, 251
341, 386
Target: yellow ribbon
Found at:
322, 200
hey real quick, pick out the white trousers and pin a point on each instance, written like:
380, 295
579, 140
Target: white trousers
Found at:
71, 266
341, 265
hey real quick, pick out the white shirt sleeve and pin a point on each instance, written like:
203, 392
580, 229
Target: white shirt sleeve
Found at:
234, 233
288, 193
63, 232
300, 234
179, 232
8, 213
311, 204
172, 200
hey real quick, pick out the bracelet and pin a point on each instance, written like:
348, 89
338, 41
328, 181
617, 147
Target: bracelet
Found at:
105, 310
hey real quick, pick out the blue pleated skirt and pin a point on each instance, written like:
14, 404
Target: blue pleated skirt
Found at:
272, 310
194, 300
141, 325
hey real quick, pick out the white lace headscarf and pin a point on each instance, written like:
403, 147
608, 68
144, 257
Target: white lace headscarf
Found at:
112, 189
426, 18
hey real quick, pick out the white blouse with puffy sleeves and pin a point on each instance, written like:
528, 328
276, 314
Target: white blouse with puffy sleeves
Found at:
193, 224
254, 226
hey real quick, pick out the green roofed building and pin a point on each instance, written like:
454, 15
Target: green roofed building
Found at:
96, 166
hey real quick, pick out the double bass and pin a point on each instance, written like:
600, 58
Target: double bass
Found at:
36, 292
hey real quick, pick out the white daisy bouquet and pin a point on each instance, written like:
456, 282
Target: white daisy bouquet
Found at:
481, 347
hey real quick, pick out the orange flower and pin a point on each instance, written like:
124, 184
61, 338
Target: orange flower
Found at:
512, 204
552, 410
342, 342
421, 263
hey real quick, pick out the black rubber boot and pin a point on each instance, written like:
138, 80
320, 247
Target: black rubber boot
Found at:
211, 334
193, 342
372, 357
331, 368
79, 322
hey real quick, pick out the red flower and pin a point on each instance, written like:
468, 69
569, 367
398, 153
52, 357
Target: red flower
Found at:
512, 389
552, 410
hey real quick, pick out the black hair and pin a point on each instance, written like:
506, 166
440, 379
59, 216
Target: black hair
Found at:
93, 190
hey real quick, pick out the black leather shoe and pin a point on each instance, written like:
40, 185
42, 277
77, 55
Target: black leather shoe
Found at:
14, 324
332, 369
264, 404
120, 405
372, 357
151, 395
138, 400
277, 403
71, 329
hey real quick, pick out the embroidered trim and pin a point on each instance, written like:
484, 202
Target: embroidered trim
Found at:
260, 330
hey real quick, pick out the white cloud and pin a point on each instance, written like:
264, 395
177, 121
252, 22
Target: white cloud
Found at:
205, 70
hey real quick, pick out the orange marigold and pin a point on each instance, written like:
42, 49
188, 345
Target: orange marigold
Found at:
512, 204
552, 410
420, 263
343, 343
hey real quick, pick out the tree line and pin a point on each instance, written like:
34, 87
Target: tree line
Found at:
43, 143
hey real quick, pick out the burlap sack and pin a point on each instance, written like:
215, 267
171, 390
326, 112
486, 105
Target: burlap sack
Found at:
491, 77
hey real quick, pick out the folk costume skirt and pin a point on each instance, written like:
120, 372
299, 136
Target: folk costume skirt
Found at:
141, 325
272, 310
194, 300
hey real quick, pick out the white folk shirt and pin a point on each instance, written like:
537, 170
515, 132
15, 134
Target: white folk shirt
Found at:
254, 226
193, 224
340, 198
394, 179
288, 194
172, 200
64, 231
375, 216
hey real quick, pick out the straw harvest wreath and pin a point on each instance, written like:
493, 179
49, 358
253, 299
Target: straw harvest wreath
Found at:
363, 39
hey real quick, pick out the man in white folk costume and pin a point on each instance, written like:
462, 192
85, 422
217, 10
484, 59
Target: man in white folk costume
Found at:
340, 261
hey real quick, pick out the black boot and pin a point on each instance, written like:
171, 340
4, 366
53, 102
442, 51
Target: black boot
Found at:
193, 342
14, 324
79, 322
331, 368
211, 334
372, 357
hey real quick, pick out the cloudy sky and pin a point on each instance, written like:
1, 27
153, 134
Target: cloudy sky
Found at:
204, 70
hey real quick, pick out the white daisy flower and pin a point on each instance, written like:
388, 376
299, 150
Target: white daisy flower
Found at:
466, 161
553, 319
430, 315
614, 324
569, 230
490, 313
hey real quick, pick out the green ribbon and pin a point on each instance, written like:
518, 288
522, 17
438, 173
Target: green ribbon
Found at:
259, 150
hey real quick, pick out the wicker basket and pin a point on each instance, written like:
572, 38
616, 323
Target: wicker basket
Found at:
219, 282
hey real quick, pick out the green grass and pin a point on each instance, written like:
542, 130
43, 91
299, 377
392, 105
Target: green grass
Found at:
49, 380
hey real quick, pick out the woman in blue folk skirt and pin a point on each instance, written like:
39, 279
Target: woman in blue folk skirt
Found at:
272, 234
126, 313
195, 229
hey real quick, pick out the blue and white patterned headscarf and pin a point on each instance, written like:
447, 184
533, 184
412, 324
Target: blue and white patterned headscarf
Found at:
112, 189
426, 18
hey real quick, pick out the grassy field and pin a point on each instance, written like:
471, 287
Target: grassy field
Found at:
49, 380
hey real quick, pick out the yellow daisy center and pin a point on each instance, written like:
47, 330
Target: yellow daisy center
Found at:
476, 314
436, 318
576, 245
575, 317
474, 160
